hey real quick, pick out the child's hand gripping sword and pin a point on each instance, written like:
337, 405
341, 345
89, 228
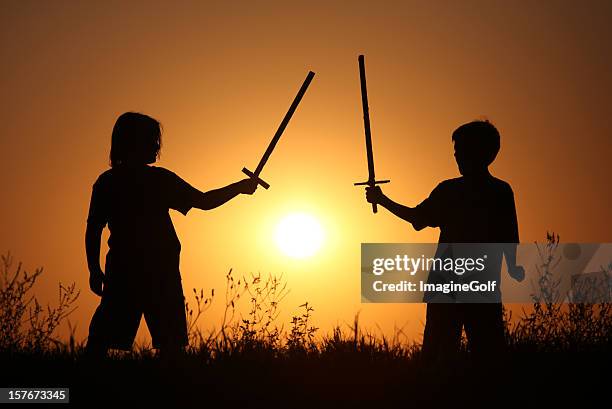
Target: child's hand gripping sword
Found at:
279, 132
368, 136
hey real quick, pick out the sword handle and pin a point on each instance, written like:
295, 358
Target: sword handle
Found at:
257, 178
372, 184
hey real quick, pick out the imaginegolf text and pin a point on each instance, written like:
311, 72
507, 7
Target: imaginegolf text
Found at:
446, 288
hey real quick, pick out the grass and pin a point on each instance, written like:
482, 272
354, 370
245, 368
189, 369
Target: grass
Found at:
556, 354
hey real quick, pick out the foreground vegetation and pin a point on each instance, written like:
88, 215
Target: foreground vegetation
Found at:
556, 354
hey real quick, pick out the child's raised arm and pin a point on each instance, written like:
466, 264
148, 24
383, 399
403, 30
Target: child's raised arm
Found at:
426, 214
375, 195
215, 198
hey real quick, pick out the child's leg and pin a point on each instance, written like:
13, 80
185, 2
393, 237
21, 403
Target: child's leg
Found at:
166, 319
171, 353
484, 327
97, 345
113, 325
442, 336
485, 332
95, 351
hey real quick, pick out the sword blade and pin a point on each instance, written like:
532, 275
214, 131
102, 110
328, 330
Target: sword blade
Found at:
284, 123
366, 120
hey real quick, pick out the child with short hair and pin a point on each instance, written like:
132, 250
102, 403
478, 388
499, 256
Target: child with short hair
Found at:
474, 208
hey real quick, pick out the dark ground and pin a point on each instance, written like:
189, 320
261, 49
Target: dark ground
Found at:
522, 379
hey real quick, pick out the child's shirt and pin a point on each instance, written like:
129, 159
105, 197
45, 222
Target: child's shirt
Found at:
134, 203
469, 210
478, 210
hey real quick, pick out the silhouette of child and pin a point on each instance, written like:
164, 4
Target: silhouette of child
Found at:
142, 264
474, 208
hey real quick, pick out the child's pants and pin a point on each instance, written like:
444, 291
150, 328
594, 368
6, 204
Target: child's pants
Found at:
483, 324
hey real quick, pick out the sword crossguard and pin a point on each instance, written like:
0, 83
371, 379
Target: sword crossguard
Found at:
372, 184
259, 180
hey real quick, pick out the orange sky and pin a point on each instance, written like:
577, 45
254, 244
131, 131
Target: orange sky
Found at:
221, 76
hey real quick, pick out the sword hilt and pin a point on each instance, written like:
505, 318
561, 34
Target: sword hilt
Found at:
372, 184
255, 177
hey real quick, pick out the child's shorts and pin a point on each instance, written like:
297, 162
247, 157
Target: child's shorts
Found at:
116, 320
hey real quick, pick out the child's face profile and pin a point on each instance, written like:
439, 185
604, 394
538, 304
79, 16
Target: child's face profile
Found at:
151, 156
460, 159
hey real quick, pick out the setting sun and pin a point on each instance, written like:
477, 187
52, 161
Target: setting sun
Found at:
299, 235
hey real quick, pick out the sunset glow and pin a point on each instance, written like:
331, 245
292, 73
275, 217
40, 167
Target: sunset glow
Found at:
299, 235
220, 79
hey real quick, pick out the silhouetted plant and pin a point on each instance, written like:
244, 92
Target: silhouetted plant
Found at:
265, 296
24, 323
202, 304
554, 326
252, 328
548, 285
301, 336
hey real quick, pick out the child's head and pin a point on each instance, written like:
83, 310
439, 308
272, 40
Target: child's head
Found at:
136, 140
476, 146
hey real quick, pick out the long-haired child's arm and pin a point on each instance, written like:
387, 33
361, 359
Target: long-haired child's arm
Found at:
93, 237
216, 197
96, 220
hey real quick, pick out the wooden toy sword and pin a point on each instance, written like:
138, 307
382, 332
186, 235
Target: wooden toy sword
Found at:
368, 136
279, 132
